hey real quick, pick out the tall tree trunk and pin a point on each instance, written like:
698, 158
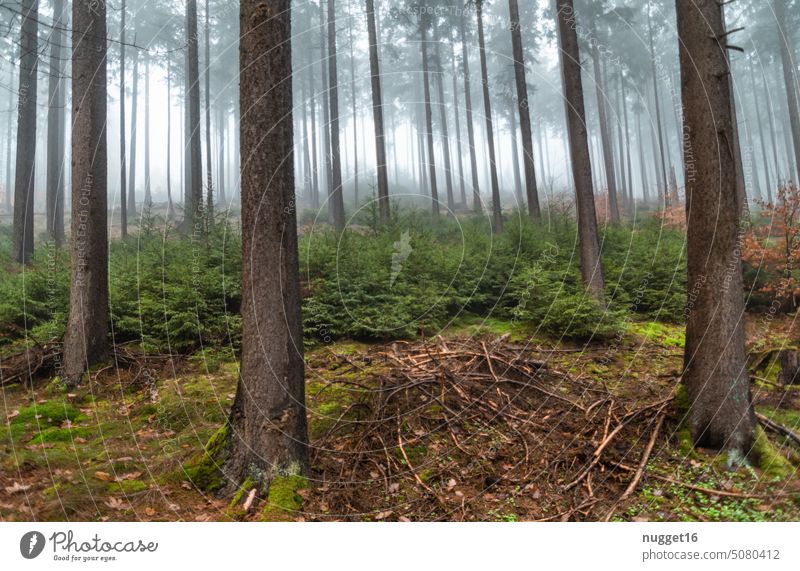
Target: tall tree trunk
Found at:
605, 135
56, 130
326, 109
221, 122
591, 266
170, 206
315, 171
209, 161
473, 160
439, 79
337, 200
786, 41
631, 199
193, 210
22, 234
423, 30
123, 192
754, 89
148, 193
10, 127
642, 162
267, 430
531, 190
355, 108
456, 110
86, 335
623, 187
659, 148
515, 159
377, 115
771, 114
715, 363
497, 217
134, 130
658, 165
304, 142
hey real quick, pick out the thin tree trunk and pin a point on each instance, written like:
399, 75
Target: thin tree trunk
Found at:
515, 159
497, 217
170, 206
22, 234
10, 126
754, 88
715, 363
337, 200
531, 190
134, 130
315, 172
659, 148
623, 187
307, 174
148, 193
326, 110
209, 169
473, 160
221, 123
123, 192
423, 29
56, 130
457, 110
771, 114
267, 431
605, 135
377, 115
355, 108
448, 168
631, 199
591, 266
193, 212
86, 334
642, 162
786, 42
658, 166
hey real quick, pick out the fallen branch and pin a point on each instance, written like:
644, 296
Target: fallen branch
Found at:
779, 428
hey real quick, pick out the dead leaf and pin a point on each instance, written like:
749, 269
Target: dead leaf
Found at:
117, 504
12, 414
17, 487
105, 476
150, 512
383, 515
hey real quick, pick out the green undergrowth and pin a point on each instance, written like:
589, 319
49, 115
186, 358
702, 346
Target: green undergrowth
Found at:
205, 470
283, 500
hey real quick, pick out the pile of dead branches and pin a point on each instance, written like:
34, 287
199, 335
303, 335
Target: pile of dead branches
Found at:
469, 429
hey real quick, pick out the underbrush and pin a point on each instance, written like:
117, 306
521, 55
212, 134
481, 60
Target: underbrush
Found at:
176, 293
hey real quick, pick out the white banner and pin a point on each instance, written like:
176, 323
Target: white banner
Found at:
400, 546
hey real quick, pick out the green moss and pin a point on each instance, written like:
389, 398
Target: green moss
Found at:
47, 414
204, 471
128, 486
57, 434
770, 460
663, 333
246, 486
283, 499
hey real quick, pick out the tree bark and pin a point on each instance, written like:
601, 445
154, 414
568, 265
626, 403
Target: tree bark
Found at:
25, 173
531, 190
336, 198
193, 208
659, 148
148, 193
715, 363
377, 115
473, 160
497, 217
605, 134
123, 189
423, 29
448, 167
786, 41
86, 336
209, 161
267, 427
134, 122
515, 158
591, 266
56, 130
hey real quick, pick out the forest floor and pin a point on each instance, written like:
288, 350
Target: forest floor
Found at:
481, 423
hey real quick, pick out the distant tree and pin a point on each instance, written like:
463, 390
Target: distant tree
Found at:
715, 360
377, 115
789, 64
267, 427
123, 184
591, 266
473, 161
86, 335
22, 233
56, 130
336, 204
193, 199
